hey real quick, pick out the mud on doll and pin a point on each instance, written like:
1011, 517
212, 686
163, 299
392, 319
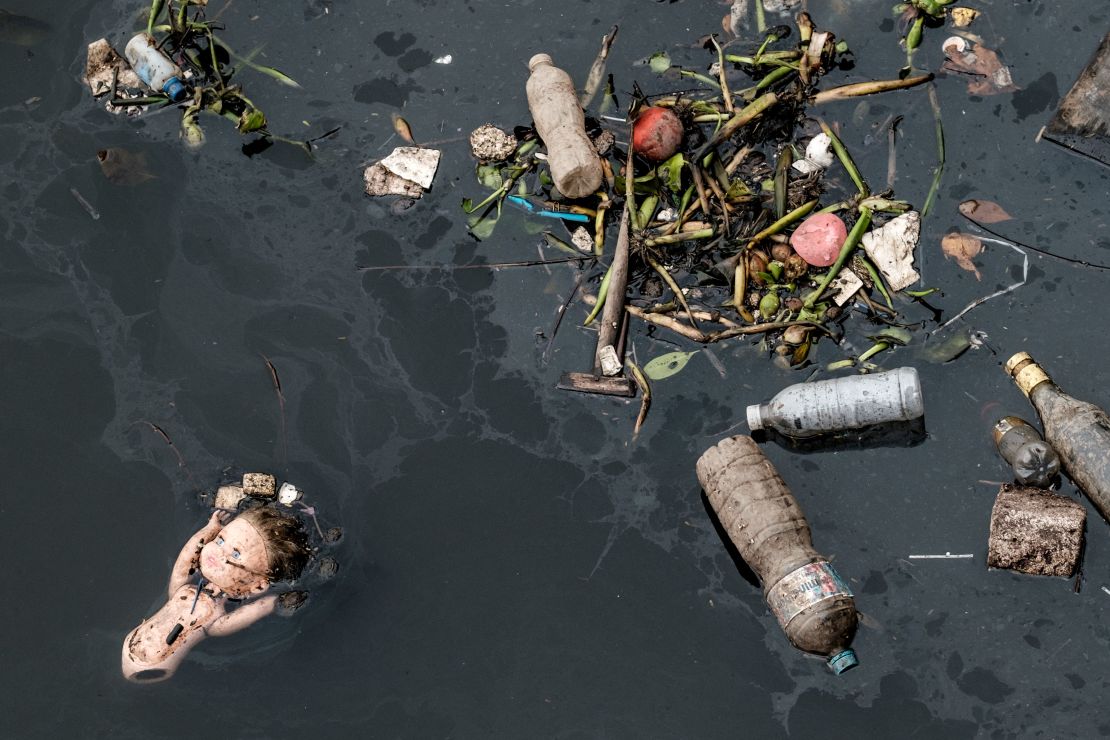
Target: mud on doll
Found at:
216, 588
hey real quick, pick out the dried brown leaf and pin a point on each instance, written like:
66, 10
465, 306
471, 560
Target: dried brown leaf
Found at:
987, 75
962, 247
984, 211
401, 126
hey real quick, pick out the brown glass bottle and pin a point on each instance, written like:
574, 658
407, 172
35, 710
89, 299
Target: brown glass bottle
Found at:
813, 605
1077, 430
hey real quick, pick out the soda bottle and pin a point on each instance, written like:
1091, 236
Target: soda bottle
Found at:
1077, 430
813, 605
852, 402
1033, 461
154, 68
571, 156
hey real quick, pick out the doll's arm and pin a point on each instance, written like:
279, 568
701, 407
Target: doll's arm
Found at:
244, 616
189, 558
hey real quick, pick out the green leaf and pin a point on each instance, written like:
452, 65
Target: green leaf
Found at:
490, 176
480, 225
659, 62
671, 172
664, 366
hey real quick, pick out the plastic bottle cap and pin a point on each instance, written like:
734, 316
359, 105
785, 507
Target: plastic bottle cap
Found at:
755, 418
537, 60
843, 661
175, 90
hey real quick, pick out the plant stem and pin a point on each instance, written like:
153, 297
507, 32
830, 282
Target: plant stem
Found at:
845, 159
682, 236
931, 197
857, 89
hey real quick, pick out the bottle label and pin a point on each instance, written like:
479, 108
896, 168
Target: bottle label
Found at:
804, 587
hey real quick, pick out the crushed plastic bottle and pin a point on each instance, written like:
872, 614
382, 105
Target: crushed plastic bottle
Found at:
853, 402
1035, 463
1077, 430
813, 605
154, 68
553, 101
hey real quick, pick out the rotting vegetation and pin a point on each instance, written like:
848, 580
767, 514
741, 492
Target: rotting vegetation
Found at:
183, 32
711, 226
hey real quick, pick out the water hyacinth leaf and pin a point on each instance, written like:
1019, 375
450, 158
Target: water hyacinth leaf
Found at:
671, 172
251, 120
939, 351
893, 335
664, 366
276, 74
659, 62
984, 211
490, 176
482, 225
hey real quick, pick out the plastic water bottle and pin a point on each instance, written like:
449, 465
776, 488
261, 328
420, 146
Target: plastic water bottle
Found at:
1077, 430
813, 605
853, 402
154, 68
1033, 461
575, 165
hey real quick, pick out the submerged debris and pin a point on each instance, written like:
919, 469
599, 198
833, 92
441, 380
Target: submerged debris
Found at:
407, 171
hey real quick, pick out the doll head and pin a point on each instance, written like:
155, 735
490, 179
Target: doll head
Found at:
253, 549
287, 549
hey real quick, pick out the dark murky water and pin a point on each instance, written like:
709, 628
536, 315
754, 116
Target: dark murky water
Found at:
513, 566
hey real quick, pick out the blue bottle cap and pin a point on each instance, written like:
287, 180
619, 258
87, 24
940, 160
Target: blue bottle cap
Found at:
843, 661
175, 90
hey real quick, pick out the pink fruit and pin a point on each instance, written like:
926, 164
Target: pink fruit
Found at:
656, 134
819, 239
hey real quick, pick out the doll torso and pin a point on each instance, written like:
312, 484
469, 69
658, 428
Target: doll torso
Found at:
160, 642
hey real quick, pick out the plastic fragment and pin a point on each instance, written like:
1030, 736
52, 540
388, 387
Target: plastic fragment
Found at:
891, 247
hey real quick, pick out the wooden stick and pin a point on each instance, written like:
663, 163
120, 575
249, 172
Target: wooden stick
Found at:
613, 311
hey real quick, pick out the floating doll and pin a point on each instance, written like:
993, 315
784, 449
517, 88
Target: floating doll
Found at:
217, 586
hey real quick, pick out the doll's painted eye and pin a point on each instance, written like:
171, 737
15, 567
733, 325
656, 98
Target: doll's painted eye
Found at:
236, 554
219, 540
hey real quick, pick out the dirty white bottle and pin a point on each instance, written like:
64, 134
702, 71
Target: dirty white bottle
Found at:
809, 409
154, 68
571, 156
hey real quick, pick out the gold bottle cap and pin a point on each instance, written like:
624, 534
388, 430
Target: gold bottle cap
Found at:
1025, 372
1016, 360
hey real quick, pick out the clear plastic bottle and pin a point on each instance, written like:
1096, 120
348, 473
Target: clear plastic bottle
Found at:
853, 402
814, 606
1035, 463
154, 68
1077, 430
572, 157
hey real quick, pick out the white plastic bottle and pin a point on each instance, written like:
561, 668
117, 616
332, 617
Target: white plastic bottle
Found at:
808, 409
154, 68
575, 165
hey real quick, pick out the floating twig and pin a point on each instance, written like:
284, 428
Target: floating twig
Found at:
945, 556
276, 381
483, 266
89, 209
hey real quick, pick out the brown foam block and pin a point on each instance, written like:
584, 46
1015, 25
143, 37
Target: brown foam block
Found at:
1035, 531
259, 485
